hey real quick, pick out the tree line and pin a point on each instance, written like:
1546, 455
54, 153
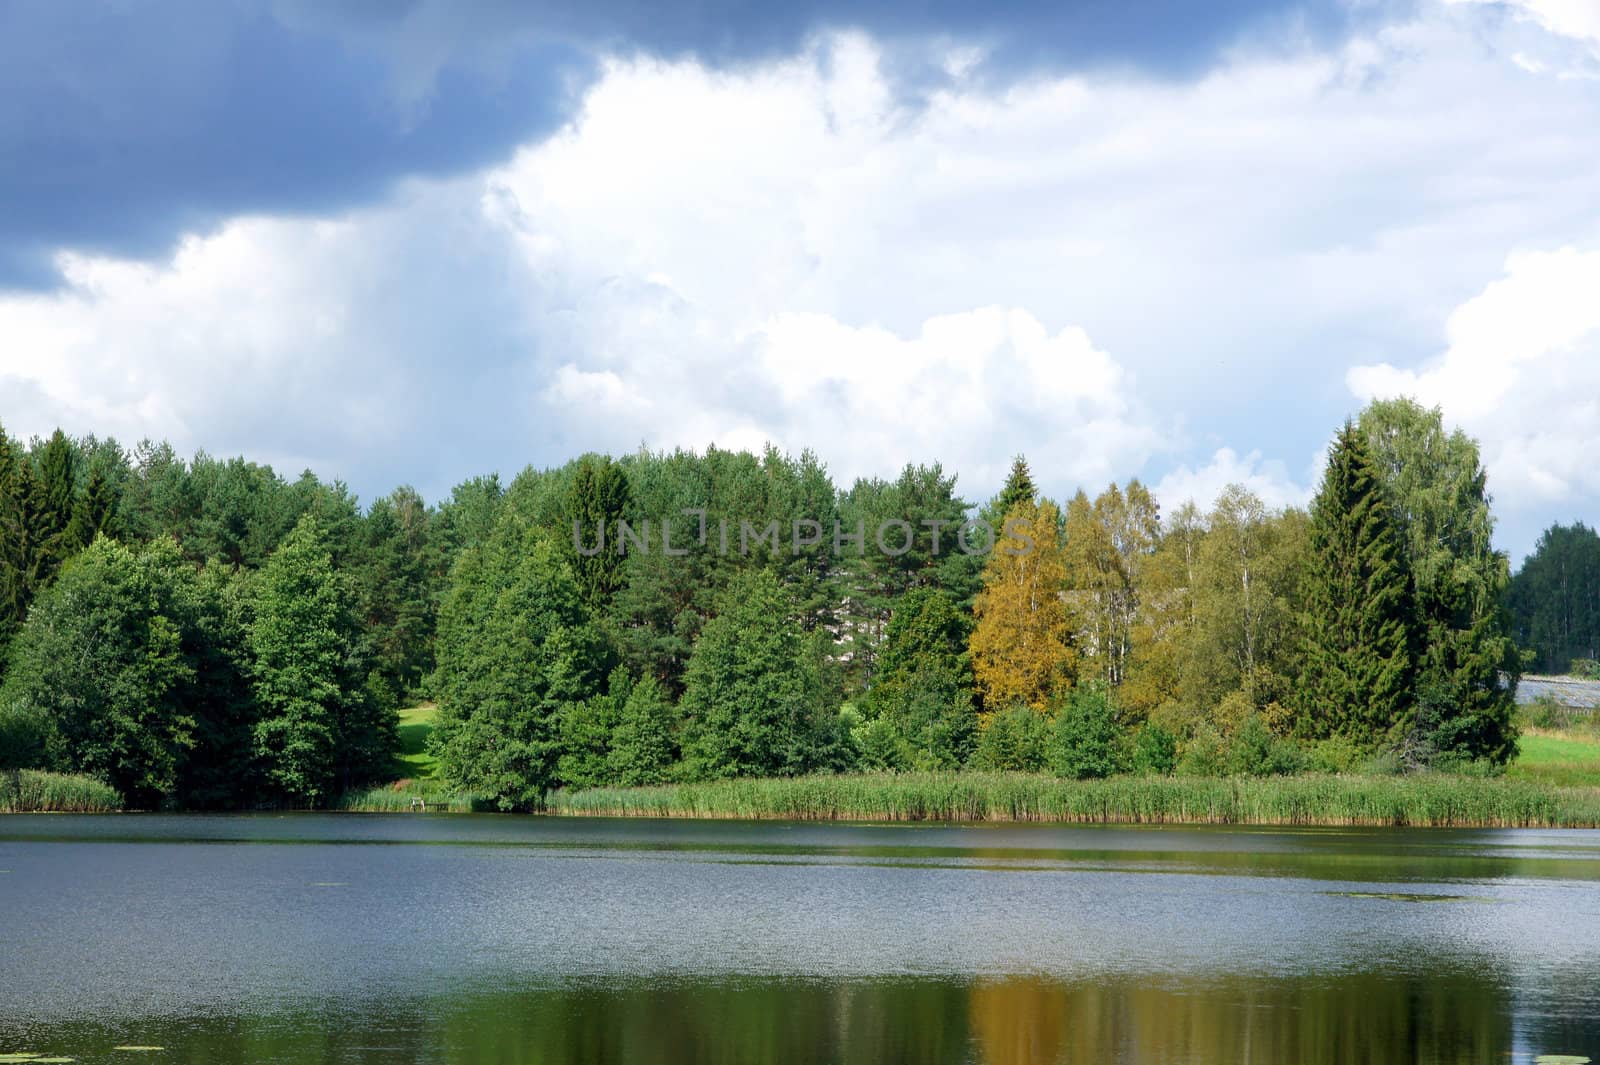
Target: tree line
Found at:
207, 633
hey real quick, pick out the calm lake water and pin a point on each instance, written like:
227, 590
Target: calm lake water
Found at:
480, 939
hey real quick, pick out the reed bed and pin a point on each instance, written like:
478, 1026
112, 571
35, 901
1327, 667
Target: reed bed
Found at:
29, 791
1430, 800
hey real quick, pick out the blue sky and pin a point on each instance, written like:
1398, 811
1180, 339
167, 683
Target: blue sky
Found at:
415, 242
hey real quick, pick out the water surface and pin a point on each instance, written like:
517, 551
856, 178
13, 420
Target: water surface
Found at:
357, 938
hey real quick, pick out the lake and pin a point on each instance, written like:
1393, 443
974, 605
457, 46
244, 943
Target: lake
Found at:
479, 939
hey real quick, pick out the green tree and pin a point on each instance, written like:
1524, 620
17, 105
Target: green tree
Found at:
597, 499
1109, 545
515, 649
643, 745
1086, 741
1019, 489
1555, 598
1437, 491
317, 730
749, 694
1358, 671
94, 513
924, 694
1016, 739
102, 672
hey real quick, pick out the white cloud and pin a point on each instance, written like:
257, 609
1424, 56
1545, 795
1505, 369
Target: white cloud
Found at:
1095, 269
1579, 19
1521, 372
1267, 478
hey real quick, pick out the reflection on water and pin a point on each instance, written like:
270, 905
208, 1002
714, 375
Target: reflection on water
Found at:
471, 940
1452, 1017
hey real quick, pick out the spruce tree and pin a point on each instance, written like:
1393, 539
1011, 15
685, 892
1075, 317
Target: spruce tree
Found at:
749, 690
597, 499
1358, 668
57, 495
1019, 488
1437, 490
94, 513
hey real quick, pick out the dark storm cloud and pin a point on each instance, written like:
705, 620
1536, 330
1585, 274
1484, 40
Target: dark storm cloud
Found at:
123, 125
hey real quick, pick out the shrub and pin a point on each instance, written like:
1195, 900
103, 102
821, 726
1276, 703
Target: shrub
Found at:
1205, 755
1155, 750
1084, 740
1255, 751
1015, 739
1336, 754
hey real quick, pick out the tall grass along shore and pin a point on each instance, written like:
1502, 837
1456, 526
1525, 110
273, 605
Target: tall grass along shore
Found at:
30, 791
1422, 800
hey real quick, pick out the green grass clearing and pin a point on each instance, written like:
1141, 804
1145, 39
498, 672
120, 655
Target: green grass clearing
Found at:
416, 725
1562, 757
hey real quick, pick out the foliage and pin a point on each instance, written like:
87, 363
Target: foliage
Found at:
750, 702
596, 501
643, 746
1016, 739
1085, 741
515, 649
1155, 750
318, 731
1437, 492
106, 668
1357, 624
1022, 647
1555, 598
1253, 750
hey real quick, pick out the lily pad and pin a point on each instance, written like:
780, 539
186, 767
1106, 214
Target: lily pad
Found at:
1561, 1059
133, 1048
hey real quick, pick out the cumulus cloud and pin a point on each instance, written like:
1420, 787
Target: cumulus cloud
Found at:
1521, 371
1269, 479
1099, 269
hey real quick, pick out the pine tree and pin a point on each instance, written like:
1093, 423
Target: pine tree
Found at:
1358, 670
1555, 598
1021, 646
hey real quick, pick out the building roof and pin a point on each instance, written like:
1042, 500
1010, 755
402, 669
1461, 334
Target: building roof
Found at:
1567, 691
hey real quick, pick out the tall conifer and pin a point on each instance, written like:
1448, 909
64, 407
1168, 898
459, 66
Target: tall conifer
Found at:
1359, 665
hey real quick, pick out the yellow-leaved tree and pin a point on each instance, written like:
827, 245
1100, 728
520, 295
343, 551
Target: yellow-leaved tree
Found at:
1022, 644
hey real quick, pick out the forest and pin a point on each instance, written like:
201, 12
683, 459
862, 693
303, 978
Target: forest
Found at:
207, 634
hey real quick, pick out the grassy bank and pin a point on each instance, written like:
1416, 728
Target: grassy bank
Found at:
32, 791
1423, 800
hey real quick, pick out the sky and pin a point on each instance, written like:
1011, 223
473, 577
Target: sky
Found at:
416, 242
